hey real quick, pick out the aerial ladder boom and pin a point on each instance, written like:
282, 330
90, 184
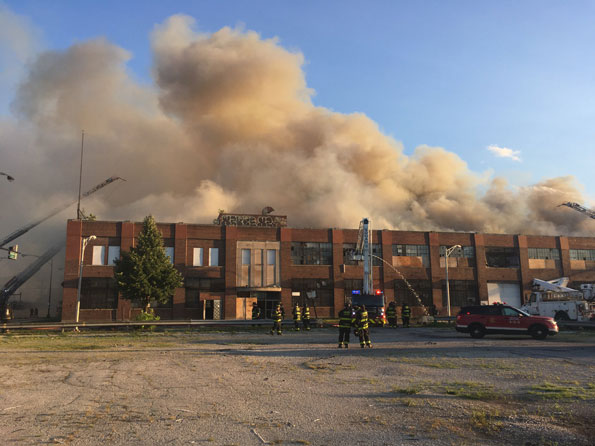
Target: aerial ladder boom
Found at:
579, 208
15, 283
27, 228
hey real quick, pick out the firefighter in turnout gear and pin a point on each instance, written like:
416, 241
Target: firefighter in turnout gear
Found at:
255, 312
391, 315
363, 327
405, 315
297, 317
346, 321
277, 319
306, 318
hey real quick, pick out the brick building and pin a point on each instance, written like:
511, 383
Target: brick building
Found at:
241, 259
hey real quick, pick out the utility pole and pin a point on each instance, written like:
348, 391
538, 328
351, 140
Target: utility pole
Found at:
78, 206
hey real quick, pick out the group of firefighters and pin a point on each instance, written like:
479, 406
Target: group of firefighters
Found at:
349, 317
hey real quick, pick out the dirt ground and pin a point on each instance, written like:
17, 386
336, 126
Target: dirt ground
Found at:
417, 386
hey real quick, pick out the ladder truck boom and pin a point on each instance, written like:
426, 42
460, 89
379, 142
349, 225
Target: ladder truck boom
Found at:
363, 251
15, 283
579, 208
16, 234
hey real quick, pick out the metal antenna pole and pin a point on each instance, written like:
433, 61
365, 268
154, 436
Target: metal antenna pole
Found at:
78, 206
50, 294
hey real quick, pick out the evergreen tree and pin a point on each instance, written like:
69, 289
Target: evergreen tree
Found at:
145, 272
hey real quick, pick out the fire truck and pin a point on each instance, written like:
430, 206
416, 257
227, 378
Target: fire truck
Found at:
373, 300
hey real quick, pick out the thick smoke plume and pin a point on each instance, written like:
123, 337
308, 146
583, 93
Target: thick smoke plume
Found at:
229, 124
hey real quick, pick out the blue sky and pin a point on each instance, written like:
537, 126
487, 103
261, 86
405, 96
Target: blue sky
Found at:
462, 75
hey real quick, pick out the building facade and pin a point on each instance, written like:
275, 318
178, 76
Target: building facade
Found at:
242, 259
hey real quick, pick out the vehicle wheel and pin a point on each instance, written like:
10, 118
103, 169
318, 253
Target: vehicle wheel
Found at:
561, 316
538, 332
477, 331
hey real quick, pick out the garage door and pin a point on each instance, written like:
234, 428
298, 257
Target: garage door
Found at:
508, 293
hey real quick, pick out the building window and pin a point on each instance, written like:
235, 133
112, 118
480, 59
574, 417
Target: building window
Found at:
348, 252
169, 303
169, 252
498, 257
313, 292
113, 254
582, 254
197, 257
423, 288
271, 257
213, 256
307, 253
98, 293
462, 292
196, 286
192, 298
377, 252
418, 251
245, 257
467, 252
351, 285
544, 253
98, 255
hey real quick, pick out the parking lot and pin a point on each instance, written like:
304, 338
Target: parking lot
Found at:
418, 386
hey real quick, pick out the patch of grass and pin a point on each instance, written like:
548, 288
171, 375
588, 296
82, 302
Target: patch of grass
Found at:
471, 390
326, 367
413, 389
458, 363
409, 402
373, 420
438, 363
485, 421
90, 341
568, 390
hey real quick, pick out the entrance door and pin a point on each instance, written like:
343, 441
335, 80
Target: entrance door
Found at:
508, 293
267, 301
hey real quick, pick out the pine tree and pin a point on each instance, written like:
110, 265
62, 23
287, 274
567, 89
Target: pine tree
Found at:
145, 273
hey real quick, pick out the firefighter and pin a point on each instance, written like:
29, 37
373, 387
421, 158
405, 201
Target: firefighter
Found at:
297, 317
363, 327
306, 317
405, 314
277, 319
391, 315
346, 320
255, 312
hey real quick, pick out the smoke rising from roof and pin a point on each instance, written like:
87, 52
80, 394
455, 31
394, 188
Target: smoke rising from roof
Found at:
229, 124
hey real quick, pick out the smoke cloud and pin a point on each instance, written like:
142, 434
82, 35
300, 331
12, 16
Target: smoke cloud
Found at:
229, 124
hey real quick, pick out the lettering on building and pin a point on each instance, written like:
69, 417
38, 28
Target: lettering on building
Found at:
255, 221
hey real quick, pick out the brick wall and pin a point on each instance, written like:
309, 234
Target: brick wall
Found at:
185, 237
